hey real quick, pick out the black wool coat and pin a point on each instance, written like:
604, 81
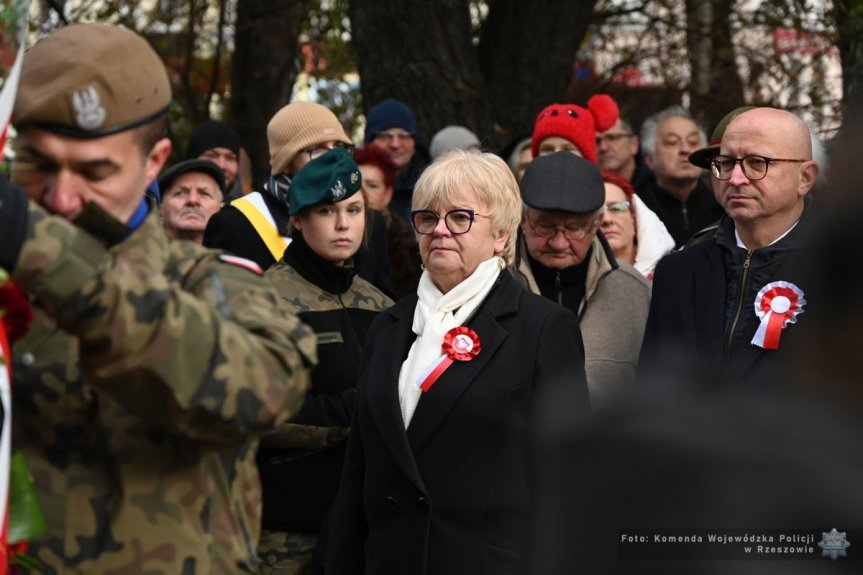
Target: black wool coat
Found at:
702, 311
449, 495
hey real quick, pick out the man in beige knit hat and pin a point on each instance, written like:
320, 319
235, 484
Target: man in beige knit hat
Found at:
256, 225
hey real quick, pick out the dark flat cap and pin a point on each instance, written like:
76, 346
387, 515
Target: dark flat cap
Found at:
207, 167
563, 181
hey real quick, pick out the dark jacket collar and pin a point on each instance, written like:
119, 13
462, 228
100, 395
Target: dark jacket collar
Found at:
312, 267
799, 237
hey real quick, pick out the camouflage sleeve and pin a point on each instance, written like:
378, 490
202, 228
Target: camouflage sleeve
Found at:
207, 352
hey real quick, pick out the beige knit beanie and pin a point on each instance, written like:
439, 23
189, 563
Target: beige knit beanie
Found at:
298, 126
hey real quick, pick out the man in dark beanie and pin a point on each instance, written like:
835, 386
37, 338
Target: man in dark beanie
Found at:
563, 255
219, 143
151, 367
392, 127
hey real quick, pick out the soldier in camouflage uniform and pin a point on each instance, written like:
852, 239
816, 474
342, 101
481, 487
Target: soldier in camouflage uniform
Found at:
301, 463
151, 367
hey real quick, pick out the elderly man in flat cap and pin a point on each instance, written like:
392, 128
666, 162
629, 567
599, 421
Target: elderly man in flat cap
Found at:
563, 255
151, 367
192, 191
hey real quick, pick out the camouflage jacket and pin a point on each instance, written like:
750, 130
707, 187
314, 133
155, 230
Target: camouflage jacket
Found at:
149, 372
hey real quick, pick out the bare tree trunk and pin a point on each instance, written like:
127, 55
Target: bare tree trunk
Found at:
263, 70
849, 25
215, 73
189, 63
421, 53
715, 86
526, 54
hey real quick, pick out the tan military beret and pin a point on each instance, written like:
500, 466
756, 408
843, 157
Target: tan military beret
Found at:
91, 80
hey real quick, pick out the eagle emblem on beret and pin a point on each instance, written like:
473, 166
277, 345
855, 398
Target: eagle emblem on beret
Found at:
89, 112
338, 191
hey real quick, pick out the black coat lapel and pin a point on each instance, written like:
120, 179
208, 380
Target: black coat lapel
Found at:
390, 351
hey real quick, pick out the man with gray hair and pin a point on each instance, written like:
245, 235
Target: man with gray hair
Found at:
676, 192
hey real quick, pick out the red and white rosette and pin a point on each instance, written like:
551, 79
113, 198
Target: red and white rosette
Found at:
459, 344
776, 305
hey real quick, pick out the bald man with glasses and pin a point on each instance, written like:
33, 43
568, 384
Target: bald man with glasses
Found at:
728, 309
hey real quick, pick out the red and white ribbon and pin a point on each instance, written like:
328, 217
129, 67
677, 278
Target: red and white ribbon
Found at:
14, 36
5, 438
776, 305
459, 344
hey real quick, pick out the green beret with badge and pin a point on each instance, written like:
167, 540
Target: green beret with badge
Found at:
327, 179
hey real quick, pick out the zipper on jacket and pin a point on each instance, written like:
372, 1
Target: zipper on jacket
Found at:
685, 213
559, 287
357, 343
743, 279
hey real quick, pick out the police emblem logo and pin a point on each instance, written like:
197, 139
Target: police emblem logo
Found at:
89, 112
833, 544
338, 191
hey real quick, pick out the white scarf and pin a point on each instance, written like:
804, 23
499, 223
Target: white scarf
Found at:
437, 313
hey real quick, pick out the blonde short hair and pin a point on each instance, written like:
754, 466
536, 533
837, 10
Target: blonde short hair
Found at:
487, 176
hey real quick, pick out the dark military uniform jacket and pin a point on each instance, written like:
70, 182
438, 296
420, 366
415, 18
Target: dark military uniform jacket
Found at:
301, 463
148, 373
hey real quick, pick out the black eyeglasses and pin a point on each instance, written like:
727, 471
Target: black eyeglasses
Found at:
754, 167
318, 151
456, 221
572, 232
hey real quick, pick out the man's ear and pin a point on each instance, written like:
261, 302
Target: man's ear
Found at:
648, 160
808, 175
156, 158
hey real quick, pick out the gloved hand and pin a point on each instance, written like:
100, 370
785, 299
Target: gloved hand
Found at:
13, 223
